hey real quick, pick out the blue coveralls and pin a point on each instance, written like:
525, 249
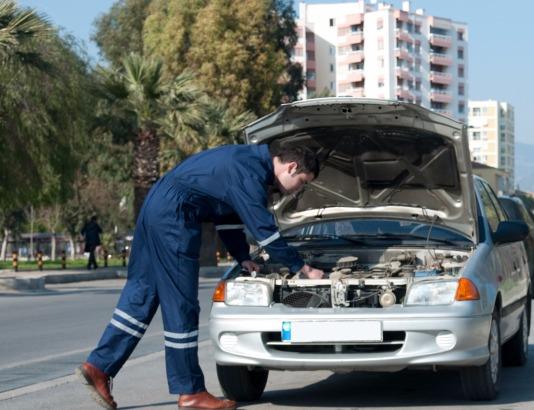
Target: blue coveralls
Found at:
226, 185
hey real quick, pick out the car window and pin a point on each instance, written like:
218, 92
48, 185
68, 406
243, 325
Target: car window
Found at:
527, 218
511, 208
489, 208
495, 200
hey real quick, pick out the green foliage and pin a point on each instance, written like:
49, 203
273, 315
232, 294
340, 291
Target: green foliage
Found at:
44, 109
239, 50
120, 31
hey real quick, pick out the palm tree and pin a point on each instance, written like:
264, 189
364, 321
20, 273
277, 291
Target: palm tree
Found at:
18, 29
136, 103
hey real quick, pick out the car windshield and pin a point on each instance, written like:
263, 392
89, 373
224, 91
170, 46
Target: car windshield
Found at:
376, 230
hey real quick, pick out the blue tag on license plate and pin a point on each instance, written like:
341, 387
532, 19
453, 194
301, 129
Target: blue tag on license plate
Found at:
286, 331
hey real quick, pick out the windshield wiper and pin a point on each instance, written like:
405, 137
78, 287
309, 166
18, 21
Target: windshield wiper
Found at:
313, 237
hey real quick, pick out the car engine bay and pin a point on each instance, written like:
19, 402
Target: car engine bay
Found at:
370, 278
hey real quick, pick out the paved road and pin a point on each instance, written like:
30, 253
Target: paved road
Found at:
46, 335
82, 308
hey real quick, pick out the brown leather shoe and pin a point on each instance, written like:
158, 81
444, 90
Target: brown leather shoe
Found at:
204, 401
99, 383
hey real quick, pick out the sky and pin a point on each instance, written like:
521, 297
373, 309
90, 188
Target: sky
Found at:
501, 44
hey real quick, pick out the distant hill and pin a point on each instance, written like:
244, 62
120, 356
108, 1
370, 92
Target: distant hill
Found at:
524, 166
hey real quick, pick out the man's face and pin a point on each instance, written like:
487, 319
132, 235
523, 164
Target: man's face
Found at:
290, 181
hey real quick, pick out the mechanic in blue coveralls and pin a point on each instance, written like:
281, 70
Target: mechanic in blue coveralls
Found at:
228, 186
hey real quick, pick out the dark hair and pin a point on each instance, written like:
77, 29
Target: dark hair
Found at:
306, 159
94, 218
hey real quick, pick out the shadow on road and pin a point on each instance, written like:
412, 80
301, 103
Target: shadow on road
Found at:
411, 388
149, 405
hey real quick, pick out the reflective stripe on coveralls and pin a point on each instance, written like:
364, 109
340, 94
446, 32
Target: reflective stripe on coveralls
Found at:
226, 185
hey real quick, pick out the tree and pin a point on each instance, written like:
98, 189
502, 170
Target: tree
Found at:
240, 51
136, 102
44, 110
119, 32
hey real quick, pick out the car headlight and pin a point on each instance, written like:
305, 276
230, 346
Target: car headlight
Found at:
432, 293
248, 293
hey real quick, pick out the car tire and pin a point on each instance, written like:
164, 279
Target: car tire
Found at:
241, 383
482, 382
515, 350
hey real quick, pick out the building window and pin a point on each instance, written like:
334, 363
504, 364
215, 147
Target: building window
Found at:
332, 85
380, 61
461, 89
399, 24
409, 27
355, 47
418, 28
332, 50
417, 48
331, 68
460, 35
418, 85
331, 22
476, 112
461, 53
461, 71
476, 135
380, 84
379, 24
310, 55
380, 44
461, 107
310, 75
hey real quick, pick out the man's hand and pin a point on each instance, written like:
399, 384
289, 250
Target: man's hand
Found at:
250, 266
312, 273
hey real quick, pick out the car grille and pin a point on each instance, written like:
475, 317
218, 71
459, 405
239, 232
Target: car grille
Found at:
392, 341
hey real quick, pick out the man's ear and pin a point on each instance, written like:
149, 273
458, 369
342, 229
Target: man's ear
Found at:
292, 168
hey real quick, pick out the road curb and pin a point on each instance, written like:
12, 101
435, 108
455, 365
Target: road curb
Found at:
36, 283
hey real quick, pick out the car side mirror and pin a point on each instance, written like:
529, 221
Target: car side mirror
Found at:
510, 231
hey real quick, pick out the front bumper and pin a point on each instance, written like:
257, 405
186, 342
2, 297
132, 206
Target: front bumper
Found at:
413, 337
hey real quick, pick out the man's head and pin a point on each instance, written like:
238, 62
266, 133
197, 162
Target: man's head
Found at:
294, 167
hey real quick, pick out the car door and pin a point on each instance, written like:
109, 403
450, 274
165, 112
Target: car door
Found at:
512, 259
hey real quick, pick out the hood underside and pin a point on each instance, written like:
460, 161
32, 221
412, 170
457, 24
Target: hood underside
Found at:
378, 158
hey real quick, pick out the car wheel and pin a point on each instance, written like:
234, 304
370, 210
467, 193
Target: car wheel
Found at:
515, 350
241, 383
482, 382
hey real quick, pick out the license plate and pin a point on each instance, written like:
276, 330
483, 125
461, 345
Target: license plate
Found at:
332, 331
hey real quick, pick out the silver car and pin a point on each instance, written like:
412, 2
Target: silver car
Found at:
423, 269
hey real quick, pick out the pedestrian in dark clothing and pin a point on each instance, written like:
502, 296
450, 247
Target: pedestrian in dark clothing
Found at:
91, 233
228, 186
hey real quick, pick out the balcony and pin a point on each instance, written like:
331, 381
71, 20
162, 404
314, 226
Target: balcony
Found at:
405, 93
352, 57
403, 35
404, 73
350, 20
440, 59
310, 84
402, 15
351, 38
440, 40
441, 23
440, 78
310, 45
351, 76
441, 96
310, 64
352, 92
403, 54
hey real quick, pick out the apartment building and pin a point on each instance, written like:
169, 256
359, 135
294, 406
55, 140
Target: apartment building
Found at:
492, 136
375, 50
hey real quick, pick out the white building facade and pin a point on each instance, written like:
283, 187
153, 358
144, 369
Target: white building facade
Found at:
492, 136
377, 51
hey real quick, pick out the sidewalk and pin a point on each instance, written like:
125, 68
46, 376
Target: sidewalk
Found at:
37, 280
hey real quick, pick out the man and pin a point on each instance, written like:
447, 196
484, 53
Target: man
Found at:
227, 185
91, 233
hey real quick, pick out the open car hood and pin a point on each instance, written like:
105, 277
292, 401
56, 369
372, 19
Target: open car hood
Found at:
378, 159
